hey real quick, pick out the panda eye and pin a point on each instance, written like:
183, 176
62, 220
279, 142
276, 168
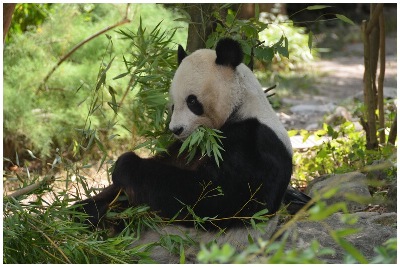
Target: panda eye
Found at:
191, 100
194, 105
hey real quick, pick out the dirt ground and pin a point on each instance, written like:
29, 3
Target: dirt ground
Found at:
339, 84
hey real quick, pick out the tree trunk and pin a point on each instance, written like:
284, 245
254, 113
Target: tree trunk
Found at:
382, 62
393, 131
8, 10
374, 52
369, 99
374, 48
200, 27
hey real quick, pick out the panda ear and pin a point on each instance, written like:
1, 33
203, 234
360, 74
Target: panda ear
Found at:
181, 54
229, 53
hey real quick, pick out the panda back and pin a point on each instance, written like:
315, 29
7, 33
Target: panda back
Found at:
255, 104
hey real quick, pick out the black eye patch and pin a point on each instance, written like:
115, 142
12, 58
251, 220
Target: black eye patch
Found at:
194, 105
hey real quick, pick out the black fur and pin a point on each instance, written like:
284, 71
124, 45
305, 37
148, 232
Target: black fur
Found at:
253, 175
294, 200
194, 105
181, 54
229, 53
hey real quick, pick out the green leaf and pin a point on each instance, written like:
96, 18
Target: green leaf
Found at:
229, 19
120, 76
256, 11
184, 19
283, 50
250, 239
205, 139
261, 213
102, 78
182, 254
310, 40
330, 193
316, 7
349, 248
344, 19
265, 53
346, 232
328, 211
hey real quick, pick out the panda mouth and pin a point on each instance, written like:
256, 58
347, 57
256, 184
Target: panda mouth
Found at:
181, 137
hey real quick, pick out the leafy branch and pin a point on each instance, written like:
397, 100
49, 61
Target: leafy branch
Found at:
207, 140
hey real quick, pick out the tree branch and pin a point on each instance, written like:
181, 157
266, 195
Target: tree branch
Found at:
374, 18
76, 47
32, 187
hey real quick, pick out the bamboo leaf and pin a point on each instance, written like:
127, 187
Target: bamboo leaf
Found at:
316, 7
328, 211
344, 19
261, 213
310, 40
31, 154
120, 76
348, 247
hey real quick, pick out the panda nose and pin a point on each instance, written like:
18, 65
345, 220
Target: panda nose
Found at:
177, 130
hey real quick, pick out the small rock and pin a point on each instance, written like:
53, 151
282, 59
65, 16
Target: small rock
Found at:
340, 116
353, 183
378, 170
388, 93
391, 197
313, 126
371, 233
310, 108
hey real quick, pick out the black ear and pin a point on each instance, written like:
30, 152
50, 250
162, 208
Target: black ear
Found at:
229, 53
181, 54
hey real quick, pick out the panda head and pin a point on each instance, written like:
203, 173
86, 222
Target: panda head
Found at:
204, 89
212, 86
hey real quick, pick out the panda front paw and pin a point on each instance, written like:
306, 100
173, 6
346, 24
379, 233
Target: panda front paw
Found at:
94, 210
126, 169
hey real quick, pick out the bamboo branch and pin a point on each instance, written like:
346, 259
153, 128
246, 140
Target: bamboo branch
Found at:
269, 88
26, 190
76, 47
130, 83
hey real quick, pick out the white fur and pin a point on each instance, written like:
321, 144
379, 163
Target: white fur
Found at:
256, 104
220, 89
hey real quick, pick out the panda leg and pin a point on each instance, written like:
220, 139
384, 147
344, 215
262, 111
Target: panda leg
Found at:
97, 206
294, 200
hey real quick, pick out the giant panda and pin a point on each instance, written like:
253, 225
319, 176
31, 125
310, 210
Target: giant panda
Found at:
211, 88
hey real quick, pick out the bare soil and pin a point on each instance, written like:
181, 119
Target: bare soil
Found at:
339, 83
